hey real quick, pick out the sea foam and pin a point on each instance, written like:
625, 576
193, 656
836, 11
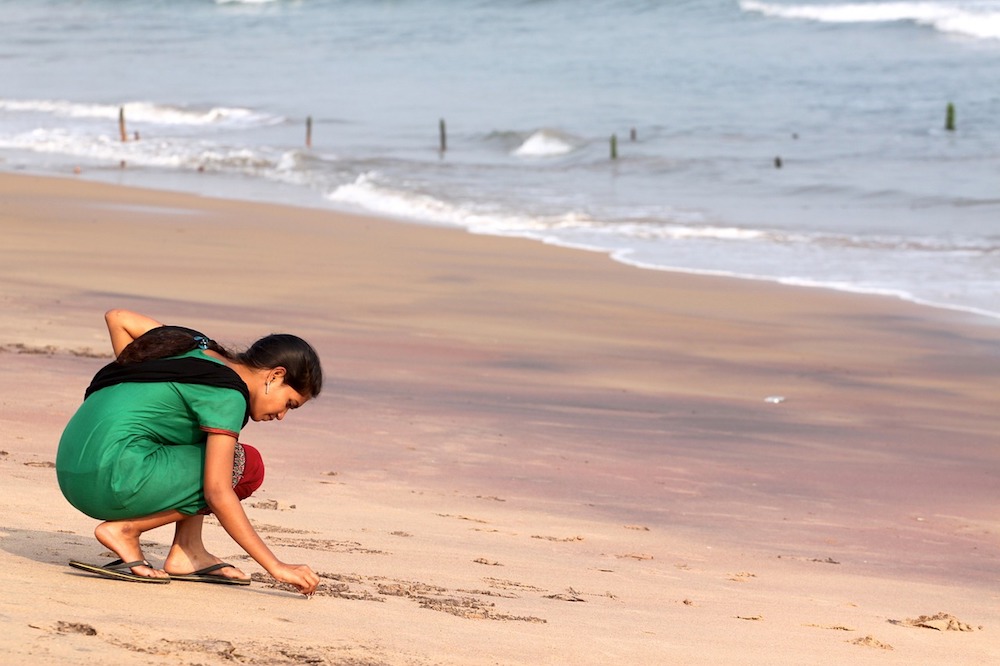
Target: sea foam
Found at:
142, 112
369, 193
544, 143
979, 19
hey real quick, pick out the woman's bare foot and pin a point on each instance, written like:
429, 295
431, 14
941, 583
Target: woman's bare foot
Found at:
180, 561
183, 565
122, 538
188, 554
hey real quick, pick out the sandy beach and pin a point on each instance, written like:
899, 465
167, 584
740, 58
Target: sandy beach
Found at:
523, 454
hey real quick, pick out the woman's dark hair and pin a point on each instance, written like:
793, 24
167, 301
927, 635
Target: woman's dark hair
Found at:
300, 361
295, 355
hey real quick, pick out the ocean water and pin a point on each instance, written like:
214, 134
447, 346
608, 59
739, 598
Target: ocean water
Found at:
799, 142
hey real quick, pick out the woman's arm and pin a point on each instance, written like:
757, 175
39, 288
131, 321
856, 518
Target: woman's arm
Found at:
226, 506
125, 326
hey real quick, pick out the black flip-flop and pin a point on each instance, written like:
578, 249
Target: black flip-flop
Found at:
119, 570
206, 576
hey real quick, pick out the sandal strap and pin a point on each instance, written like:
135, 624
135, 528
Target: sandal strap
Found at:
119, 564
215, 567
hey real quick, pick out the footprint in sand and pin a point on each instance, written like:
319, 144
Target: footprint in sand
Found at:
271, 505
473, 520
635, 556
75, 628
872, 642
939, 622
741, 577
559, 539
501, 584
832, 627
569, 595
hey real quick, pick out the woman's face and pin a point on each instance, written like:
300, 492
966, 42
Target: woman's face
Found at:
275, 399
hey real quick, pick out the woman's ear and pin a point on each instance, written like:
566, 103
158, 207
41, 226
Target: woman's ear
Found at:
277, 374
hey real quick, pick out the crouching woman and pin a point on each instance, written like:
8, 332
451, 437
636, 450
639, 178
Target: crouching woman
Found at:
156, 442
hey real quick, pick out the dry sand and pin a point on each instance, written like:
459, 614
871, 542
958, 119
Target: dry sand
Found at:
523, 454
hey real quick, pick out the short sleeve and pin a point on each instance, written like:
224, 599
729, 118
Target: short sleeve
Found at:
216, 410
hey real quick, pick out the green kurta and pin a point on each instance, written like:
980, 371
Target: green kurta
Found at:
135, 449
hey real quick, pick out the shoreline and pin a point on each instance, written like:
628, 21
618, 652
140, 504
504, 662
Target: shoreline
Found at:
242, 193
525, 430
807, 284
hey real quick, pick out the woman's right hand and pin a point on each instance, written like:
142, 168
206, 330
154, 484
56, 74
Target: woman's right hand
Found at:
299, 575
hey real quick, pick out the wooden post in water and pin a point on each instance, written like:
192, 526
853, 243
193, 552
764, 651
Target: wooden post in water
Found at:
614, 146
444, 135
949, 121
633, 135
309, 131
121, 124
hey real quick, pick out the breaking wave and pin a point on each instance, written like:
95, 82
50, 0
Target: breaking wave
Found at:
977, 19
